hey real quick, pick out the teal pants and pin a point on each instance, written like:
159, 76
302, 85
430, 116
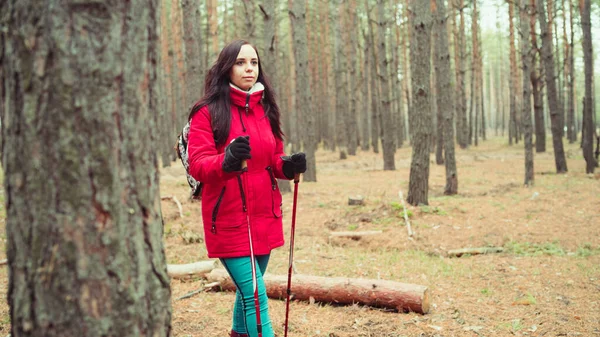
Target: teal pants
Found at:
244, 312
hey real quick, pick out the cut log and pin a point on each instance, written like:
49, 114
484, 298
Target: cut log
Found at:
3, 262
398, 296
352, 235
474, 251
191, 269
356, 200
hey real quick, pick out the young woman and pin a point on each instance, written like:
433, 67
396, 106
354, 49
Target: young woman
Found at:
235, 147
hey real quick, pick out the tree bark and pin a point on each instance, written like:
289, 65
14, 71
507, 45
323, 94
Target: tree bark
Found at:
512, 125
388, 134
536, 86
374, 84
303, 93
571, 122
403, 297
437, 108
475, 74
192, 37
342, 105
445, 99
526, 56
353, 80
420, 21
462, 128
588, 119
555, 109
84, 225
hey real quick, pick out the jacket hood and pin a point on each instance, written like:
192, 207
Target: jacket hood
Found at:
248, 98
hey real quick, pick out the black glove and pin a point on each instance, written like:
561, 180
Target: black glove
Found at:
294, 164
236, 152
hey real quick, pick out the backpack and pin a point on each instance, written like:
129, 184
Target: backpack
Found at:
182, 153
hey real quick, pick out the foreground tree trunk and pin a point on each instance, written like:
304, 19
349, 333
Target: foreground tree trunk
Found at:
526, 64
555, 109
588, 119
297, 15
403, 297
444, 97
84, 227
420, 21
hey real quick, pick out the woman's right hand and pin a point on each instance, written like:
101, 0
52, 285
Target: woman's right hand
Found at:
235, 153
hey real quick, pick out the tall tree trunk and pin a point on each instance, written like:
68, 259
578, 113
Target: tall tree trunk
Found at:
512, 128
555, 109
462, 127
269, 51
192, 35
406, 90
297, 15
571, 122
397, 83
179, 112
420, 21
388, 138
366, 93
342, 106
588, 119
472, 104
536, 84
445, 97
166, 98
84, 225
526, 64
476, 72
213, 30
374, 84
353, 80
482, 99
249, 19
438, 109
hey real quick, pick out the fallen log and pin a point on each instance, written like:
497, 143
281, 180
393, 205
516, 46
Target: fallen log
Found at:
341, 290
474, 251
191, 269
352, 235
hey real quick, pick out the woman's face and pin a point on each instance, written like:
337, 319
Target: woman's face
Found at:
244, 72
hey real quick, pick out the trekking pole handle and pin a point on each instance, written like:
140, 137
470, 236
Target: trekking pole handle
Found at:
244, 166
296, 178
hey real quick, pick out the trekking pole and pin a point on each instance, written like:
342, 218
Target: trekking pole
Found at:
252, 256
291, 261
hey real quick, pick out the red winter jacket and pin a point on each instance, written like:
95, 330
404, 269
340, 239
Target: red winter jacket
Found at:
225, 222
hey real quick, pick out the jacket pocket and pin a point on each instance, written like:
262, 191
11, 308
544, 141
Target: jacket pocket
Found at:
215, 211
275, 194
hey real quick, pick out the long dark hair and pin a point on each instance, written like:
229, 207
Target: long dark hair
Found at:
216, 94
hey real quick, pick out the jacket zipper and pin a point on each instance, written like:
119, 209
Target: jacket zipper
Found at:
215, 211
274, 188
239, 179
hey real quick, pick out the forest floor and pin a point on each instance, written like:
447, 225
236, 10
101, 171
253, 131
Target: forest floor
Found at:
545, 283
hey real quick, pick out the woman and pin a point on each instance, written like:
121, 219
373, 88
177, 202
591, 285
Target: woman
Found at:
235, 147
